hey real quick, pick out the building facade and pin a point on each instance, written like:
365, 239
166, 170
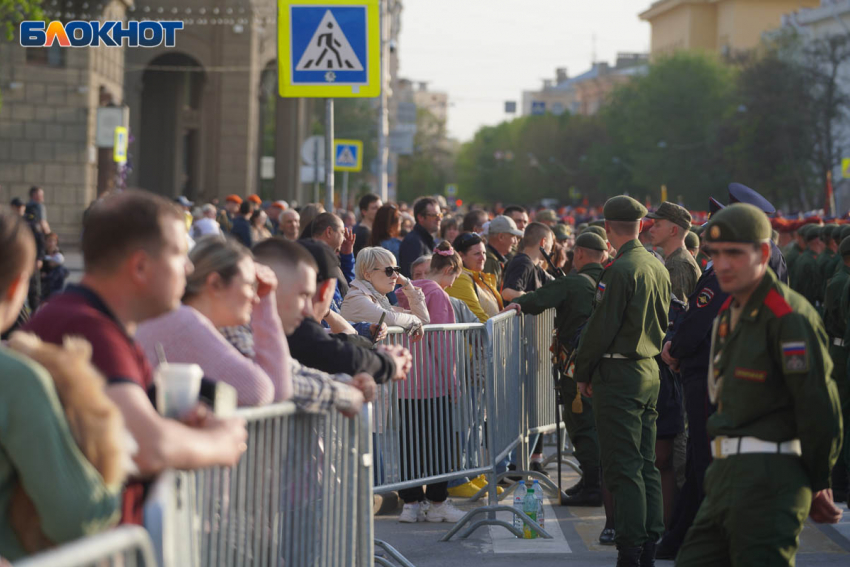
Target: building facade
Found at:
721, 26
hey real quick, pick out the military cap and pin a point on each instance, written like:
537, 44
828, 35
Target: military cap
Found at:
597, 230
812, 232
691, 240
845, 232
672, 212
562, 232
829, 231
844, 247
739, 222
623, 208
742, 194
581, 226
547, 215
592, 241
598, 222
714, 205
698, 229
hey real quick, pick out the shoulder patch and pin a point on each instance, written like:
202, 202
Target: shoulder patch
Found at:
726, 304
795, 356
705, 297
777, 304
600, 291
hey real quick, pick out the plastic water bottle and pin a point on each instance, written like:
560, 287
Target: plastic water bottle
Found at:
529, 506
538, 494
519, 500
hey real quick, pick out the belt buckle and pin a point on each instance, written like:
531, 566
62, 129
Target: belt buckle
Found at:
718, 448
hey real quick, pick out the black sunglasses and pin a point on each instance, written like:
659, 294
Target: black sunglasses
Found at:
389, 270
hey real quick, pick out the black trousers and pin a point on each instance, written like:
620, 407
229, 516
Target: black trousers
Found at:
699, 409
426, 446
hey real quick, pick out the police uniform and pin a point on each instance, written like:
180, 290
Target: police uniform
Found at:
572, 297
617, 353
806, 274
777, 428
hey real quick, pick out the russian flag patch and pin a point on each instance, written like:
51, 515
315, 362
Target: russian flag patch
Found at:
795, 356
600, 289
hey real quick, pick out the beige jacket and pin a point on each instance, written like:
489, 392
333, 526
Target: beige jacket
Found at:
363, 303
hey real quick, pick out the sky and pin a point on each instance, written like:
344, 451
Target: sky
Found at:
485, 52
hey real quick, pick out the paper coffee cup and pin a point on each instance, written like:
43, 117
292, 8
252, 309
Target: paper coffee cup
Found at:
178, 388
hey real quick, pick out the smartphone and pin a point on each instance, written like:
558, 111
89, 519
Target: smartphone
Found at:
378, 328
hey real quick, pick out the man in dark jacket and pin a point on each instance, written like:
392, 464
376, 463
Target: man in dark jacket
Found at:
241, 225
420, 241
313, 346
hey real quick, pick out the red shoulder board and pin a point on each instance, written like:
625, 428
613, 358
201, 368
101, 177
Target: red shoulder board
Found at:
726, 304
777, 304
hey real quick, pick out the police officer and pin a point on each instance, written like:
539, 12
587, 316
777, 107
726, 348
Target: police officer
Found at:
615, 364
742, 194
572, 296
806, 274
777, 426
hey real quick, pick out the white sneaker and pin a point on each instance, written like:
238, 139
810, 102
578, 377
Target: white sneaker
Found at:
424, 506
410, 513
445, 512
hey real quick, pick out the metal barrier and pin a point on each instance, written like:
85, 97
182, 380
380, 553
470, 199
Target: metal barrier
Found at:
127, 546
301, 495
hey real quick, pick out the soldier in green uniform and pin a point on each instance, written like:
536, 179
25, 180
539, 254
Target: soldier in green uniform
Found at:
777, 428
828, 258
615, 364
692, 244
793, 251
807, 278
572, 296
835, 313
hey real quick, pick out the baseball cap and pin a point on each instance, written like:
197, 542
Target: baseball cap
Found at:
502, 224
255, 199
183, 201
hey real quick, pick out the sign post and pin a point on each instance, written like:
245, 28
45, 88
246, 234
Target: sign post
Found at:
329, 49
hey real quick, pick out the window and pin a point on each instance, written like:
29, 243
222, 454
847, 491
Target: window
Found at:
53, 56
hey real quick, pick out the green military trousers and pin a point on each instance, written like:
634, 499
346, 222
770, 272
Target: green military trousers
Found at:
753, 513
580, 426
841, 375
625, 393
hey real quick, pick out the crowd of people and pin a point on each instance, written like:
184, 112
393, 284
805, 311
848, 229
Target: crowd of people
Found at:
669, 333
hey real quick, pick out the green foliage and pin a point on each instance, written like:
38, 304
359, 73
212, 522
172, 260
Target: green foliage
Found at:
13, 12
429, 168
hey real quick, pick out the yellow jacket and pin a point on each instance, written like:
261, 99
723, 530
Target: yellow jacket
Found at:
468, 288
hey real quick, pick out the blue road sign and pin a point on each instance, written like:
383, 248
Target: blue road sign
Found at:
331, 48
538, 107
348, 155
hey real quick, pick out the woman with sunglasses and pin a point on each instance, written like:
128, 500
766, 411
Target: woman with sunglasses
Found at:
376, 274
474, 287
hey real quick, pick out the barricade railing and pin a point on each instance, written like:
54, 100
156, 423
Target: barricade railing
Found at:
127, 546
301, 495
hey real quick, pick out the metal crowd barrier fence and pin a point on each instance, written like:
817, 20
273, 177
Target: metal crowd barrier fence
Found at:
127, 546
301, 496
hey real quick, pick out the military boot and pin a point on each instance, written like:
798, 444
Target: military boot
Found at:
590, 493
628, 556
647, 554
576, 488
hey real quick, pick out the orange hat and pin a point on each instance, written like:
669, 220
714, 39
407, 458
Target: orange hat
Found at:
255, 199
282, 205
234, 199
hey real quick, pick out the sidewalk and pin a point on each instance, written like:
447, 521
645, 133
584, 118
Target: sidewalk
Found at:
575, 532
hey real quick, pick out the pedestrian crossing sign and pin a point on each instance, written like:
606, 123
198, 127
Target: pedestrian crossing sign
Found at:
348, 155
845, 168
329, 48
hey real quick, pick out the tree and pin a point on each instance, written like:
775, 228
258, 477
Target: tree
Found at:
430, 167
13, 12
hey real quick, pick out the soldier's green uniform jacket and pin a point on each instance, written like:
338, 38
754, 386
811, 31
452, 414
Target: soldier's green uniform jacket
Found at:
629, 320
791, 253
825, 260
807, 278
833, 317
684, 273
832, 268
773, 368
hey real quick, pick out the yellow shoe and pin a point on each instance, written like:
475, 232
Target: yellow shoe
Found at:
481, 482
467, 490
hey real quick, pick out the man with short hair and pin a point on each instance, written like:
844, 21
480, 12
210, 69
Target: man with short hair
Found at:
420, 240
328, 228
346, 353
274, 213
572, 297
692, 245
777, 427
525, 272
615, 364
793, 251
290, 224
36, 211
518, 214
473, 221
829, 260
241, 229
134, 252
368, 205
668, 232
502, 237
